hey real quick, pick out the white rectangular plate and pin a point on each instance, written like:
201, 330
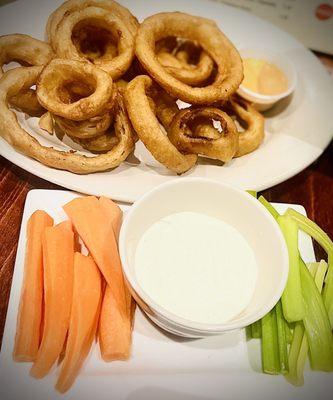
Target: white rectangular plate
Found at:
162, 366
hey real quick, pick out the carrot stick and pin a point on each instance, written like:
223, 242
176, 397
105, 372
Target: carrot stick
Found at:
113, 213
30, 315
95, 229
58, 255
66, 225
84, 313
114, 330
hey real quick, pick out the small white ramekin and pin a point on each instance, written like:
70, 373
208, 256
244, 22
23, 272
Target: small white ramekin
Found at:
231, 205
260, 101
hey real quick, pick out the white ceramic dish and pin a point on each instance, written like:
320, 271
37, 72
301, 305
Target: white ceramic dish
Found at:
233, 206
264, 102
162, 366
296, 132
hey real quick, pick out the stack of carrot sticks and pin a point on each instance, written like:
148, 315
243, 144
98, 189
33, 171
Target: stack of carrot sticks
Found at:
68, 299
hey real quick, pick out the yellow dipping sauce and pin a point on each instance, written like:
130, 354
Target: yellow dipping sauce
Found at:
262, 77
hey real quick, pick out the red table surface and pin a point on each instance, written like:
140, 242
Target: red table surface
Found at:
312, 188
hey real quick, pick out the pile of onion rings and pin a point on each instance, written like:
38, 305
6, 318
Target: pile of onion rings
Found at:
104, 81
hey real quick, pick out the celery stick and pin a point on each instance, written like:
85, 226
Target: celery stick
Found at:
256, 330
319, 274
269, 344
302, 357
316, 321
248, 332
293, 376
313, 267
292, 301
297, 361
252, 193
312, 229
288, 331
328, 289
282, 343
268, 206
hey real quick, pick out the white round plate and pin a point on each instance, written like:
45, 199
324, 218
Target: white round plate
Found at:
297, 132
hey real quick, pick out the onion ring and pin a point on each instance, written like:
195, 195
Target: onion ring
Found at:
24, 49
252, 121
206, 33
87, 129
165, 108
65, 47
177, 62
148, 128
27, 103
121, 85
90, 128
223, 148
58, 75
248, 117
93, 42
73, 5
100, 144
205, 129
23, 78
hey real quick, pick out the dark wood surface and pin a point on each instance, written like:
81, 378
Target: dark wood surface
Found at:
313, 188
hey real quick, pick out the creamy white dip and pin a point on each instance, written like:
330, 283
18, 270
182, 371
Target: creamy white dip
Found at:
197, 267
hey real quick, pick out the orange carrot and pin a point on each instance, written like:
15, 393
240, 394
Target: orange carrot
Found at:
95, 229
96, 222
84, 314
63, 351
114, 330
30, 315
113, 213
58, 257
67, 225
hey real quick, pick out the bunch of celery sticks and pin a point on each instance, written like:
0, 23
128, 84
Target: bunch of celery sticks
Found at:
300, 325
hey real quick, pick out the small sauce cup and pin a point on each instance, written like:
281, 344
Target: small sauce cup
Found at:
233, 206
260, 101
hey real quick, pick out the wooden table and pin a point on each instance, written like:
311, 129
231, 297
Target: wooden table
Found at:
313, 188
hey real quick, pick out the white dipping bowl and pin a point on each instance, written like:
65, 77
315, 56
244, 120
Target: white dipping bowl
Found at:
233, 206
260, 101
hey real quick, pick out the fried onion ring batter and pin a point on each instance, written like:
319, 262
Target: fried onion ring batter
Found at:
100, 144
186, 62
206, 33
24, 49
23, 78
28, 103
58, 79
253, 123
149, 130
88, 129
223, 148
65, 47
248, 118
73, 5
